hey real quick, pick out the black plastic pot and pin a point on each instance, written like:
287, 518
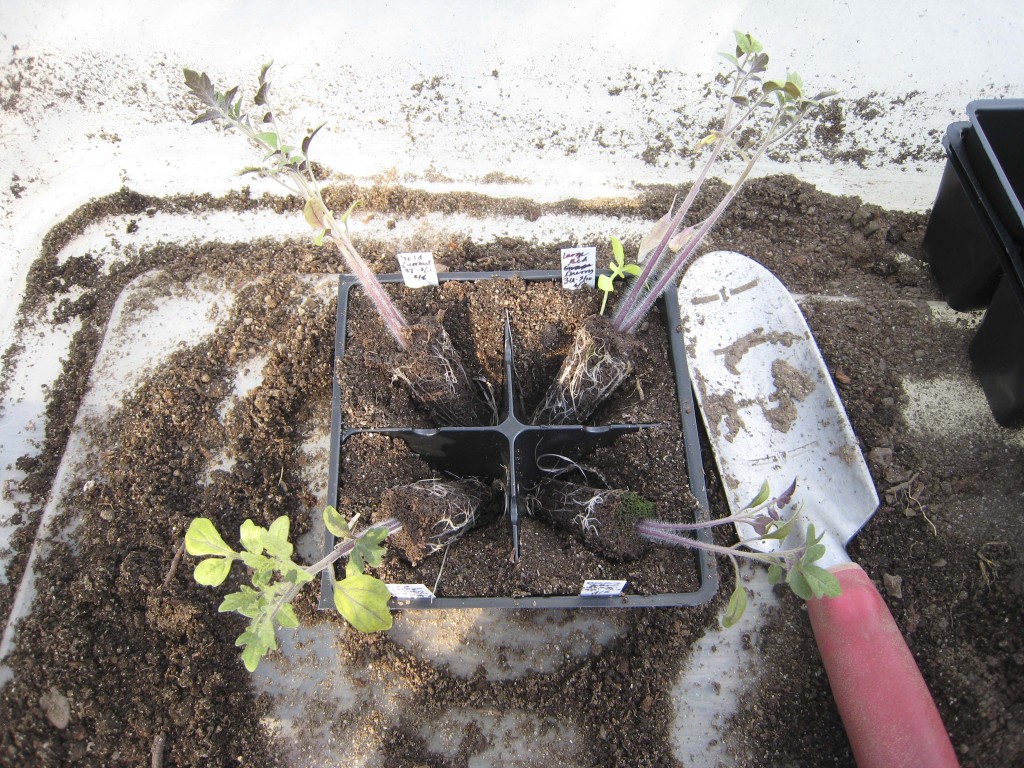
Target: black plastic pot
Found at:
973, 242
960, 243
508, 450
995, 147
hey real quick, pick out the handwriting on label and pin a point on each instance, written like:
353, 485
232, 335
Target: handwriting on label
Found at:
602, 587
579, 267
410, 592
418, 269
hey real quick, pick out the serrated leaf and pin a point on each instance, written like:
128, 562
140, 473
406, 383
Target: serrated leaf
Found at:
252, 537
276, 540
363, 601
200, 86
286, 617
212, 571
202, 538
294, 574
761, 498
210, 114
260, 563
367, 549
736, 608
336, 523
245, 602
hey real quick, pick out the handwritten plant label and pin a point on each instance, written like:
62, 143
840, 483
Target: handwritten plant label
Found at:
579, 267
410, 591
418, 269
602, 587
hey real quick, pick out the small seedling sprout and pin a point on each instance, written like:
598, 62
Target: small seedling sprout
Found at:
620, 270
767, 517
277, 579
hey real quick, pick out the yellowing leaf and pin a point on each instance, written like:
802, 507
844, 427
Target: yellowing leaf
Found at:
202, 538
363, 601
213, 571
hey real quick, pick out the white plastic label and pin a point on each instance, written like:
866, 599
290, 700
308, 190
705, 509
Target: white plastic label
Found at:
602, 587
410, 592
418, 269
579, 267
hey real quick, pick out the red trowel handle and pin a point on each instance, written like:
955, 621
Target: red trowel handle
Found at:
885, 705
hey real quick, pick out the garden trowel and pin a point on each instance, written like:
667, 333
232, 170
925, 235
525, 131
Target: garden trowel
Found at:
772, 414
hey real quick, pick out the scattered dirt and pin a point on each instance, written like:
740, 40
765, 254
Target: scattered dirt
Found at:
142, 659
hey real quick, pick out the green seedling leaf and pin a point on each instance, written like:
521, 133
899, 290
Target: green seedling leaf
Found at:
799, 584
213, 571
276, 540
202, 538
367, 550
775, 573
269, 138
348, 212
257, 640
318, 239
633, 270
711, 138
286, 617
778, 531
822, 583
761, 498
336, 524
731, 59
252, 537
736, 608
363, 601
247, 602
618, 253
606, 284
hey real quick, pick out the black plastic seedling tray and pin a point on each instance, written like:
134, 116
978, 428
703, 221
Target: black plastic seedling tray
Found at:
508, 450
